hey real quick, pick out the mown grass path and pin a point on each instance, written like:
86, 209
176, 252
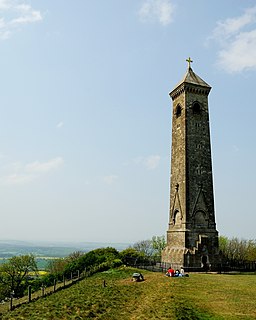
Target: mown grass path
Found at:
200, 296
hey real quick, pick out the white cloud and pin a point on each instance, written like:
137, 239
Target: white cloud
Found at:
2, 156
152, 162
157, 10
240, 54
22, 174
14, 14
17, 179
44, 167
5, 4
138, 160
235, 148
110, 179
232, 26
237, 40
60, 125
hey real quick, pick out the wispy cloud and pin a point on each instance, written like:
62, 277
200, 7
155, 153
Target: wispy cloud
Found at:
160, 11
60, 125
19, 174
14, 14
44, 167
235, 148
17, 179
237, 40
150, 162
2, 156
110, 179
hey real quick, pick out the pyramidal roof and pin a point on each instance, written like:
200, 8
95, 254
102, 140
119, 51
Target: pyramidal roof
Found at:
192, 78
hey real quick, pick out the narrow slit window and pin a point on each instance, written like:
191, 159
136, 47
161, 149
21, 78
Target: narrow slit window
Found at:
178, 111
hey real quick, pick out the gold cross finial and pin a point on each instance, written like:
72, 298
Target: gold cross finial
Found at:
189, 61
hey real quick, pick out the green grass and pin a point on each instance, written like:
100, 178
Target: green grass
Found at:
200, 296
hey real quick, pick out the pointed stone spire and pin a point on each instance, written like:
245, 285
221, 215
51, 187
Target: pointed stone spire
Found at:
190, 78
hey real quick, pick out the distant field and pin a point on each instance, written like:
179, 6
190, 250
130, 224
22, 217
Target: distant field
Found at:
45, 253
42, 262
9, 250
200, 296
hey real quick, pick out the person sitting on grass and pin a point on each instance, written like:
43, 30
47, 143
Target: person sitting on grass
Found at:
177, 273
170, 272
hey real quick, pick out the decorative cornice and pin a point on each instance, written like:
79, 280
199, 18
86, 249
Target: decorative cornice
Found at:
189, 88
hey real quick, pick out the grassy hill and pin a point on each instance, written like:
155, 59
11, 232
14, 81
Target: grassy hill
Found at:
199, 296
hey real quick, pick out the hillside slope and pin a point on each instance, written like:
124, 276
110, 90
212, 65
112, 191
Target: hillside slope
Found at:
200, 296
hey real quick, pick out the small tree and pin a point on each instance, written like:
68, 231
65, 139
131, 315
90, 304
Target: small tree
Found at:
151, 248
236, 249
75, 255
14, 274
251, 250
57, 267
130, 256
144, 247
158, 244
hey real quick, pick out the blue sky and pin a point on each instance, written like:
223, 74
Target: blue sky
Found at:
86, 118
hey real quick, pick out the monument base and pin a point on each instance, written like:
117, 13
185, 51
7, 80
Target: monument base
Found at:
193, 260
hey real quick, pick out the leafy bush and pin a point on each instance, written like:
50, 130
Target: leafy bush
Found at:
131, 256
80, 262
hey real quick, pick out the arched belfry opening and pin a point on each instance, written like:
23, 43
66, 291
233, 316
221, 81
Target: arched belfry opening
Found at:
192, 238
196, 108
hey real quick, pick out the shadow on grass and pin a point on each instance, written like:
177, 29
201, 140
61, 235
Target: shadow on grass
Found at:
185, 311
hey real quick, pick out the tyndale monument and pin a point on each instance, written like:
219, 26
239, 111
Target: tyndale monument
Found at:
192, 238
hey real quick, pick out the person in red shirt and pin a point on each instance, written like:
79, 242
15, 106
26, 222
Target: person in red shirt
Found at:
171, 272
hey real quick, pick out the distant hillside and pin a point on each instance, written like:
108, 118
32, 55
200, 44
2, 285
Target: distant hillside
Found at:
10, 248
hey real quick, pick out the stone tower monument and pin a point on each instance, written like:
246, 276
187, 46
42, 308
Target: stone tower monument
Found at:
192, 238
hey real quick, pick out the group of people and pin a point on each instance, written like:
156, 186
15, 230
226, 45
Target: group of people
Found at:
175, 273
